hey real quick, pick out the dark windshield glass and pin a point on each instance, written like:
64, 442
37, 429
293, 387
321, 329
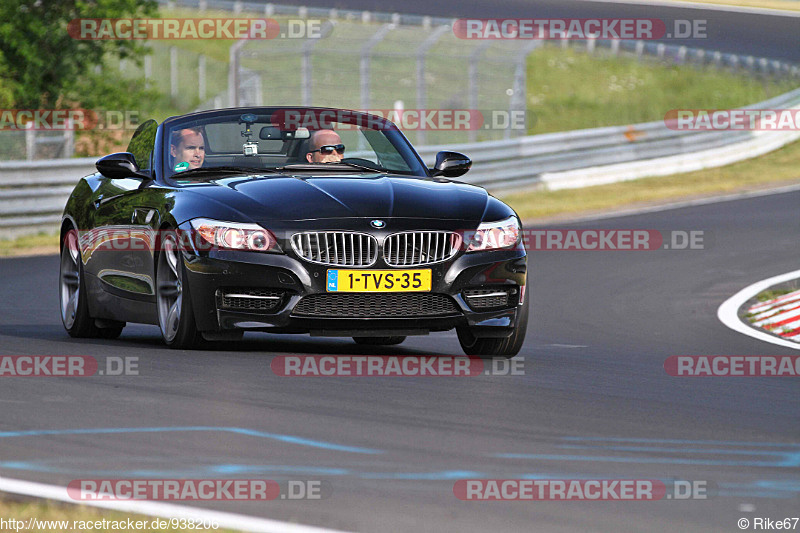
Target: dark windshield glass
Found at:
143, 142
269, 138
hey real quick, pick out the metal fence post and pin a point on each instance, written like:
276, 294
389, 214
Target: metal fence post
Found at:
364, 64
472, 75
518, 99
30, 142
201, 77
233, 73
306, 69
68, 149
173, 71
421, 51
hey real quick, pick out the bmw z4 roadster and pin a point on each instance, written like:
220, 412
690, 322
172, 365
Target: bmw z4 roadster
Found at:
290, 220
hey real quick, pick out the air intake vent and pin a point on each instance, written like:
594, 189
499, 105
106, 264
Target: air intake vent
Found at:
336, 248
250, 300
415, 248
402, 305
482, 299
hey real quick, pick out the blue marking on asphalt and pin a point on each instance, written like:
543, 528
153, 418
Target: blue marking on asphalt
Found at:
642, 460
242, 431
431, 476
773, 489
289, 469
783, 458
790, 459
682, 441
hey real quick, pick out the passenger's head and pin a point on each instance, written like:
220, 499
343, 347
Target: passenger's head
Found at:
325, 146
188, 146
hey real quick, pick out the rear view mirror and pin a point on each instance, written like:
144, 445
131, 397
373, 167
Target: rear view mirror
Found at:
451, 164
273, 133
119, 165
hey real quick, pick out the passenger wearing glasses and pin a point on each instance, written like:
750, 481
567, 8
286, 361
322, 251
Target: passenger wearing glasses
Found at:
325, 146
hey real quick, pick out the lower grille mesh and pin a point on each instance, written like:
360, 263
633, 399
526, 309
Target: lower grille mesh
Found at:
486, 298
410, 305
252, 300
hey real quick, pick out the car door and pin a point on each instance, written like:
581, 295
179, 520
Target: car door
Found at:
122, 243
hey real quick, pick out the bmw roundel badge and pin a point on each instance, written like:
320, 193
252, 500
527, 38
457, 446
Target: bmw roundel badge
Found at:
377, 224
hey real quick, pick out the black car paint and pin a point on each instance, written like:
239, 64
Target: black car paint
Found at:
121, 282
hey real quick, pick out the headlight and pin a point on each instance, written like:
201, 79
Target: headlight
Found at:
236, 235
495, 235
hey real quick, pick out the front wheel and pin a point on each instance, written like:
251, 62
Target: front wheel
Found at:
488, 348
175, 316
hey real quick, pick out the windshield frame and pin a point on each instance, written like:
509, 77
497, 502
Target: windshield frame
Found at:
391, 132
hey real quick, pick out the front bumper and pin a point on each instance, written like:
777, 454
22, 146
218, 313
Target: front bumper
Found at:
212, 274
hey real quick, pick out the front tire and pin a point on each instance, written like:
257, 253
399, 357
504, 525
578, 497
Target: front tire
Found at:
175, 315
489, 348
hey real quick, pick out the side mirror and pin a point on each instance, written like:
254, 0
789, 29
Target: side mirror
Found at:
451, 164
119, 165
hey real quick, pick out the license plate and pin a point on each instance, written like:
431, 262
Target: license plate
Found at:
379, 280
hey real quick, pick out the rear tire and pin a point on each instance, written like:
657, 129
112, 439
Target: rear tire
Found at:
489, 348
379, 341
72, 290
175, 315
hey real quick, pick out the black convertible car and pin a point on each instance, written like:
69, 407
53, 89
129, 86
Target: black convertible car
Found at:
301, 220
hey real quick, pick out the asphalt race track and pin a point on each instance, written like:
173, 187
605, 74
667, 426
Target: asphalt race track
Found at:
760, 35
594, 400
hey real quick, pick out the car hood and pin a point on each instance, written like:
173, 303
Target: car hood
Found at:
285, 197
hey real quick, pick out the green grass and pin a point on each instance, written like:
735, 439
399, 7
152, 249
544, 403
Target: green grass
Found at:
570, 89
42, 243
773, 293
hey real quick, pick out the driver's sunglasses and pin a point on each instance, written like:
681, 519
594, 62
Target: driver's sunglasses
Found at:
329, 148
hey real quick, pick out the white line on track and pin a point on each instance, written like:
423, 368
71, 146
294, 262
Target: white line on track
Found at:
161, 510
728, 311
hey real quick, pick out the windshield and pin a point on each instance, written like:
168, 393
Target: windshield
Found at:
291, 139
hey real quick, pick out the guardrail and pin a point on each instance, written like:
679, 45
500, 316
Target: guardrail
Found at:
33, 194
604, 155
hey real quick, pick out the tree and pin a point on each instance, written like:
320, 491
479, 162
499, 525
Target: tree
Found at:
42, 66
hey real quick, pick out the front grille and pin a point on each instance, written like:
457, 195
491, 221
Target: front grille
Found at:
480, 299
398, 305
250, 300
336, 248
415, 248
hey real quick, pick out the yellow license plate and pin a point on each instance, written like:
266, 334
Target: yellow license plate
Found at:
379, 280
